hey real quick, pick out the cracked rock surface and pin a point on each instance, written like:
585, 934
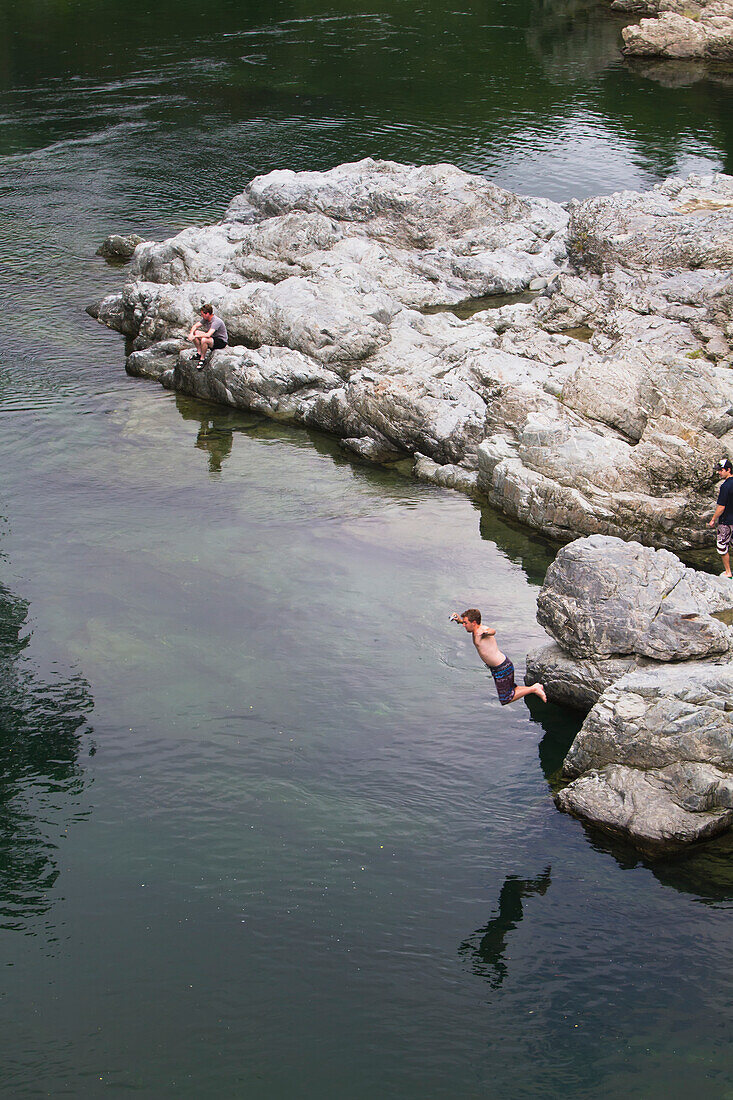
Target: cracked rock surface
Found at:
679, 29
599, 405
654, 758
645, 645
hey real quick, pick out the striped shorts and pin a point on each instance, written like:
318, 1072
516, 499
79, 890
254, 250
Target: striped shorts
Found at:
504, 679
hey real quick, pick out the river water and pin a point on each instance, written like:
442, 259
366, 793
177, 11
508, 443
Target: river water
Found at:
266, 831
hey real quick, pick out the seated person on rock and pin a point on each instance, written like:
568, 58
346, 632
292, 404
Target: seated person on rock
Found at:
208, 333
499, 665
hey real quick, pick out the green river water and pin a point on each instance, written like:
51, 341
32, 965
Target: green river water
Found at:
265, 830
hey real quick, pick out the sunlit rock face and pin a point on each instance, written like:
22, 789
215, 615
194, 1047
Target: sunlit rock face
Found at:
600, 403
654, 759
645, 645
679, 29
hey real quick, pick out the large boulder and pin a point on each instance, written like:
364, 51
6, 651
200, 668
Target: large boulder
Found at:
679, 224
643, 644
654, 759
573, 682
683, 30
598, 403
605, 598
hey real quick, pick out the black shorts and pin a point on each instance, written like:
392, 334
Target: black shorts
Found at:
219, 343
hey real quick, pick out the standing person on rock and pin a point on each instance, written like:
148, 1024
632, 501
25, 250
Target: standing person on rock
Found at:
208, 333
723, 514
498, 664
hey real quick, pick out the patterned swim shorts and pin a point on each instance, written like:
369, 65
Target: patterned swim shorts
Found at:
725, 533
504, 679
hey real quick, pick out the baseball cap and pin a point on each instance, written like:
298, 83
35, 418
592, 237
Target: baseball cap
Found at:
725, 464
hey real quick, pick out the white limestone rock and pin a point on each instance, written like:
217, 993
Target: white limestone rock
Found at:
653, 761
645, 646
698, 31
573, 682
603, 597
599, 406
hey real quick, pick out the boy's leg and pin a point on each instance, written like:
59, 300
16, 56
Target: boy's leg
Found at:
203, 346
535, 689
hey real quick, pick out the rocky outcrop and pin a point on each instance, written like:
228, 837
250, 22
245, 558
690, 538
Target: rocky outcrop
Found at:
604, 598
645, 644
599, 405
119, 249
654, 758
680, 29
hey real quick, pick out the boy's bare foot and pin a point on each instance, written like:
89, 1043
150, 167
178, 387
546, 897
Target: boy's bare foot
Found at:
539, 690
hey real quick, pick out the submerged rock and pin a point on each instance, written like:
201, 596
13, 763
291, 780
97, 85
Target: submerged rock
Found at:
119, 248
645, 645
599, 406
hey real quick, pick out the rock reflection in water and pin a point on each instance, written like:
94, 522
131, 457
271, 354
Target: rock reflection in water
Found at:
577, 37
704, 872
217, 441
41, 728
680, 74
216, 428
487, 946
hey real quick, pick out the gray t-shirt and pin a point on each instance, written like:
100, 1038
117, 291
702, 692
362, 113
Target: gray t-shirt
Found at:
218, 326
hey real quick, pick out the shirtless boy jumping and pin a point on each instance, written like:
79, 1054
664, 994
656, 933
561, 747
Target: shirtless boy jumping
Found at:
499, 665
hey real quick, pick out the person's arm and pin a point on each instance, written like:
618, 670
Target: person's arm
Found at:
194, 328
716, 515
488, 632
209, 333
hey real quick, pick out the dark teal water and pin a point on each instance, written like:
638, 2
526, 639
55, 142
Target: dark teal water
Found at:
264, 829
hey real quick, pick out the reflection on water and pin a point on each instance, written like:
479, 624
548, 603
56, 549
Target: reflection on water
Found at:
291, 817
42, 722
487, 946
527, 548
217, 426
680, 74
216, 441
705, 871
575, 36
